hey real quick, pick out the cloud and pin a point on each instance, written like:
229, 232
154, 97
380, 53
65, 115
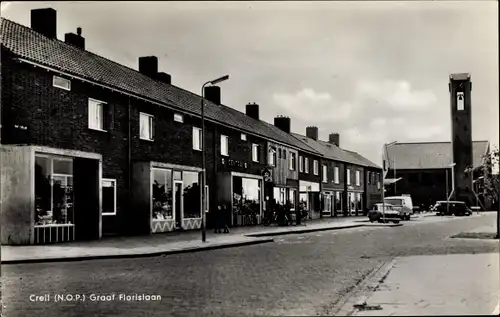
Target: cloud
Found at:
397, 95
425, 132
311, 105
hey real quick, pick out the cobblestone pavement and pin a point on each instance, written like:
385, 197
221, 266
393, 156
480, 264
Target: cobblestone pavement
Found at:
302, 274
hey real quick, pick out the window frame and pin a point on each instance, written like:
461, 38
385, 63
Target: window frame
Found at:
358, 178
271, 156
460, 103
255, 153
98, 103
316, 167
112, 180
306, 165
301, 164
226, 138
348, 177
292, 161
151, 126
200, 138
61, 87
336, 175
178, 117
243, 137
324, 172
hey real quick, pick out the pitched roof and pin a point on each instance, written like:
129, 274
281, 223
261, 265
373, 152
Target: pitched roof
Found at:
430, 154
336, 153
24, 42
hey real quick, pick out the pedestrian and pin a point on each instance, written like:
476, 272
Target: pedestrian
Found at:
226, 216
219, 218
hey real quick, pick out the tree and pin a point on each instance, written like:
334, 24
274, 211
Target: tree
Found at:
491, 182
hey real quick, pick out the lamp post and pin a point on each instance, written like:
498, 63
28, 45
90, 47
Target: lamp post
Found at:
452, 186
203, 177
384, 156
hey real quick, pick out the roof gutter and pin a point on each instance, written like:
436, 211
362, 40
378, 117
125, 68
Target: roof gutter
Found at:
148, 100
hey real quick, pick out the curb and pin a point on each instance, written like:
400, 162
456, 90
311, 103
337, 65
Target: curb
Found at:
140, 255
363, 291
282, 233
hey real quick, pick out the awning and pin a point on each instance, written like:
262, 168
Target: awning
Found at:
389, 181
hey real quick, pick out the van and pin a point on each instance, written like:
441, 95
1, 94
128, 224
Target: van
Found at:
403, 204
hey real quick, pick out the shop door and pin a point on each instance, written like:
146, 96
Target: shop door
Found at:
327, 204
178, 203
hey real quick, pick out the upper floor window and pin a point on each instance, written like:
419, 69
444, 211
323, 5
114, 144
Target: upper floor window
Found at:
255, 152
306, 165
377, 176
336, 175
284, 154
279, 154
316, 167
301, 164
243, 137
96, 114
460, 100
224, 145
197, 138
292, 161
325, 174
146, 126
62, 83
272, 156
178, 117
348, 175
358, 178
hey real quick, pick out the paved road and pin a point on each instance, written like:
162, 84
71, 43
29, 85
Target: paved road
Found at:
298, 275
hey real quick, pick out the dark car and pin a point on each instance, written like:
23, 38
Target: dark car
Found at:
451, 208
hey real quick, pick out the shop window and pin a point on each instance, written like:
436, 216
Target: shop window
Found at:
53, 190
336, 175
272, 156
306, 165
178, 117
301, 164
108, 197
146, 126
255, 152
292, 161
197, 138
96, 114
191, 195
291, 198
358, 178
162, 194
224, 145
62, 83
303, 201
325, 174
348, 175
316, 167
246, 201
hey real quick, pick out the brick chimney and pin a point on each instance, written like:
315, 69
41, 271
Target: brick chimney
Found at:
312, 133
334, 138
283, 123
148, 65
252, 110
44, 21
75, 39
212, 93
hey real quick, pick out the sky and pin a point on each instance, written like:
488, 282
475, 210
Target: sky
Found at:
374, 72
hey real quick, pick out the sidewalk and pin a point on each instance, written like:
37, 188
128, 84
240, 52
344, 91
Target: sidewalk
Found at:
453, 284
164, 243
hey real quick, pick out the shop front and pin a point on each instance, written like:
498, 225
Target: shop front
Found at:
309, 198
170, 193
50, 195
355, 203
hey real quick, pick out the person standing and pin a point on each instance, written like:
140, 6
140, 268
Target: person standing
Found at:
219, 218
226, 216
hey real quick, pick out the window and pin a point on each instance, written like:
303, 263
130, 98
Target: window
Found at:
96, 114
377, 176
358, 178
162, 194
197, 139
460, 101
224, 144
306, 165
108, 197
292, 161
62, 83
272, 156
279, 152
291, 198
325, 174
284, 154
146, 126
369, 180
348, 176
316, 167
178, 117
191, 195
301, 164
255, 152
336, 175
243, 137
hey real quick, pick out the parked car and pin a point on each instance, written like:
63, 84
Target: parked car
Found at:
403, 204
377, 214
456, 208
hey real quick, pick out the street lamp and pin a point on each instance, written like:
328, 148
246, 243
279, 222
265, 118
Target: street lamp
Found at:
203, 178
384, 157
452, 186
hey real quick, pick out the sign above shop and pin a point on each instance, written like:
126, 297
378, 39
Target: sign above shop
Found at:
233, 163
350, 187
267, 174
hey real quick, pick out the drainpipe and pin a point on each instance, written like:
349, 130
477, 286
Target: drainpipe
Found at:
129, 159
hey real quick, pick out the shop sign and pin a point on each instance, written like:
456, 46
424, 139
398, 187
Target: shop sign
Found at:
350, 187
266, 173
233, 163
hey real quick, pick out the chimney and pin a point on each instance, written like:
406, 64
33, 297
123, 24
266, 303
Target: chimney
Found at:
148, 65
44, 21
212, 93
312, 133
252, 110
334, 138
164, 78
75, 39
282, 123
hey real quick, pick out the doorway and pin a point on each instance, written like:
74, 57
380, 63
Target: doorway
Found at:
178, 203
